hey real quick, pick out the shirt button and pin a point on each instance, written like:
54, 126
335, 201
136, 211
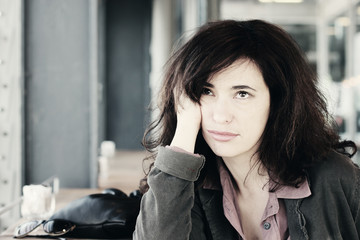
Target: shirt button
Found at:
267, 226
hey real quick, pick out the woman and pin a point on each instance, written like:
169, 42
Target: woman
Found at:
244, 145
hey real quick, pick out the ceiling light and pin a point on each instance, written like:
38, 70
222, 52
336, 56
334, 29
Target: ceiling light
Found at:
343, 21
281, 1
288, 1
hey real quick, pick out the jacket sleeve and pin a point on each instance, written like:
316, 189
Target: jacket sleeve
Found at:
166, 208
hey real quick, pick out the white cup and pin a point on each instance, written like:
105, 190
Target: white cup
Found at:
38, 202
107, 149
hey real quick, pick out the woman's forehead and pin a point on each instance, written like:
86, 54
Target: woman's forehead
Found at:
241, 69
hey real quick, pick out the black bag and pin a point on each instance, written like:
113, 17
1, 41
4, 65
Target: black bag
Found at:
111, 214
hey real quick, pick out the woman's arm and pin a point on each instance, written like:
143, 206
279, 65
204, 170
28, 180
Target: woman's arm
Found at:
165, 211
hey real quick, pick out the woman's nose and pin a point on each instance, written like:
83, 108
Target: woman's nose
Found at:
221, 112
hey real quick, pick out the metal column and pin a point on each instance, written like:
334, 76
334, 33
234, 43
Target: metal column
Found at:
11, 69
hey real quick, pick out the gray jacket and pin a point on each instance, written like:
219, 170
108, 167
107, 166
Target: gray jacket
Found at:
172, 209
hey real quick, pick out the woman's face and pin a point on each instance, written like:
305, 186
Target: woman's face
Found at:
235, 108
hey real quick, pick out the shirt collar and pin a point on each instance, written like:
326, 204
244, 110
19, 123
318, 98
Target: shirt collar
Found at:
285, 192
290, 192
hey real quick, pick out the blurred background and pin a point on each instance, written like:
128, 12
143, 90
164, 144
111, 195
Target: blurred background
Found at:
76, 73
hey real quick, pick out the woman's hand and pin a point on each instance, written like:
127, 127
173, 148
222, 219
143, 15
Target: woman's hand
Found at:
188, 123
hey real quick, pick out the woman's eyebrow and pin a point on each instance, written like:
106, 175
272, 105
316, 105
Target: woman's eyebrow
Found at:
209, 85
237, 87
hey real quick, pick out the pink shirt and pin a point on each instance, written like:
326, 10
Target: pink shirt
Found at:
274, 222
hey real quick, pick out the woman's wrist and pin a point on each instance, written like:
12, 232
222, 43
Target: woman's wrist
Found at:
185, 138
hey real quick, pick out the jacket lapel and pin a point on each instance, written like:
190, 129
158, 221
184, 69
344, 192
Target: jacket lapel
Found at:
213, 207
296, 220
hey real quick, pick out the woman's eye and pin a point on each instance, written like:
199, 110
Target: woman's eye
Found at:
242, 94
206, 91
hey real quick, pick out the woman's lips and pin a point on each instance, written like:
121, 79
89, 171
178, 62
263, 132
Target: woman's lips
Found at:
222, 136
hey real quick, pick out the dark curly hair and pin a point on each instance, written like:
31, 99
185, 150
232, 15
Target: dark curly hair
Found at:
299, 130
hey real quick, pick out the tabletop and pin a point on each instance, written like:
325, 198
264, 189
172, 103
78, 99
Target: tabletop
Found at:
62, 199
